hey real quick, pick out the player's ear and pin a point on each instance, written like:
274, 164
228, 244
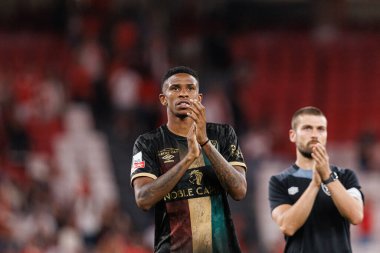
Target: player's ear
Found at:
200, 96
163, 99
292, 135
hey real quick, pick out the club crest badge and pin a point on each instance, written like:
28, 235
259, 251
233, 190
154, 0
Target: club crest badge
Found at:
325, 189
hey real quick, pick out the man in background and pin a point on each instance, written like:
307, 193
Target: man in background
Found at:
314, 202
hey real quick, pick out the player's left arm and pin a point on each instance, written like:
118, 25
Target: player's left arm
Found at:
349, 202
231, 177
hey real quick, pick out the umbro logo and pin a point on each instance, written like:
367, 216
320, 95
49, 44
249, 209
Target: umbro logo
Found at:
168, 158
293, 190
168, 155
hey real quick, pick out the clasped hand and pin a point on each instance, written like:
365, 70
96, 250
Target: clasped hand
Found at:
198, 114
321, 169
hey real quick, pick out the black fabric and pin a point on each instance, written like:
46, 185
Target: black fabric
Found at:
325, 230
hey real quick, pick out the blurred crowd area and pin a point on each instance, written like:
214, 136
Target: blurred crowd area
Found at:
79, 81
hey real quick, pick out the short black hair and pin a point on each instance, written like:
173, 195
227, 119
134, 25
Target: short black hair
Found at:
179, 69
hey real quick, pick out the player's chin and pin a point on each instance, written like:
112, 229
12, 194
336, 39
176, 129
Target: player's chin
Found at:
305, 152
182, 115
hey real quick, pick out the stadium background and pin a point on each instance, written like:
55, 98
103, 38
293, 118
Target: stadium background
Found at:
79, 82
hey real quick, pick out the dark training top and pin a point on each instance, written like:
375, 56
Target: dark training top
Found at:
195, 215
325, 230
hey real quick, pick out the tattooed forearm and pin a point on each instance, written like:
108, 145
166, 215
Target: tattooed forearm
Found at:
148, 194
225, 177
160, 187
231, 178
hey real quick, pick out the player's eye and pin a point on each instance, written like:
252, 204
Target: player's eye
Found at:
174, 88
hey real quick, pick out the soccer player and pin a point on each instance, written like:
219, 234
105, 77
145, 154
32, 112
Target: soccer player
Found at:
314, 202
185, 169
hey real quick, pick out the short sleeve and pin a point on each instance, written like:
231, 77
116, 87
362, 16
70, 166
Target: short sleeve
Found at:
278, 194
349, 180
143, 161
230, 149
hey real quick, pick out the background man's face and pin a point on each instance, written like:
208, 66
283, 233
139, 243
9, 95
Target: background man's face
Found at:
310, 129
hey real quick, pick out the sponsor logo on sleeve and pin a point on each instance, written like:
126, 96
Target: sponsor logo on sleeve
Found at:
137, 162
236, 152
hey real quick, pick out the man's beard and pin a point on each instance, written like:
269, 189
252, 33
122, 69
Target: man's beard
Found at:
181, 116
305, 153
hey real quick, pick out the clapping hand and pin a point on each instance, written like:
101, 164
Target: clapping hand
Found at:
198, 114
193, 146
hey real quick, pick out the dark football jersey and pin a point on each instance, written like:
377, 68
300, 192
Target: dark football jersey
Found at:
194, 216
325, 230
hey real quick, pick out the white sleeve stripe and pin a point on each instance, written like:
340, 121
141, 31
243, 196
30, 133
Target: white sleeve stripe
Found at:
354, 192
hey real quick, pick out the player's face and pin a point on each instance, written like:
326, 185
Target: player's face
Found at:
177, 92
310, 129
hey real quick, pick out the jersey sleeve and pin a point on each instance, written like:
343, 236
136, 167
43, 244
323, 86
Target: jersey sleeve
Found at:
350, 180
143, 160
231, 149
278, 193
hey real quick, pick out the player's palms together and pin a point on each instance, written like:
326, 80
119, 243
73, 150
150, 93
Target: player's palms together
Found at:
192, 142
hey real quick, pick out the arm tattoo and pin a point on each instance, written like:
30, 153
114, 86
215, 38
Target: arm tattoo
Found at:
228, 176
157, 190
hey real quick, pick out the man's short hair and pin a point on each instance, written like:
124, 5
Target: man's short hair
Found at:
308, 110
176, 70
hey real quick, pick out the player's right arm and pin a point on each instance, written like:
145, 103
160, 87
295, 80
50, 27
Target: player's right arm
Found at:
149, 191
290, 218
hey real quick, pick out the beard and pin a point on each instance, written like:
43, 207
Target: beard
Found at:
181, 115
305, 152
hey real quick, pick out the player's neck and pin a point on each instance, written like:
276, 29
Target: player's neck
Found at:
304, 163
179, 126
